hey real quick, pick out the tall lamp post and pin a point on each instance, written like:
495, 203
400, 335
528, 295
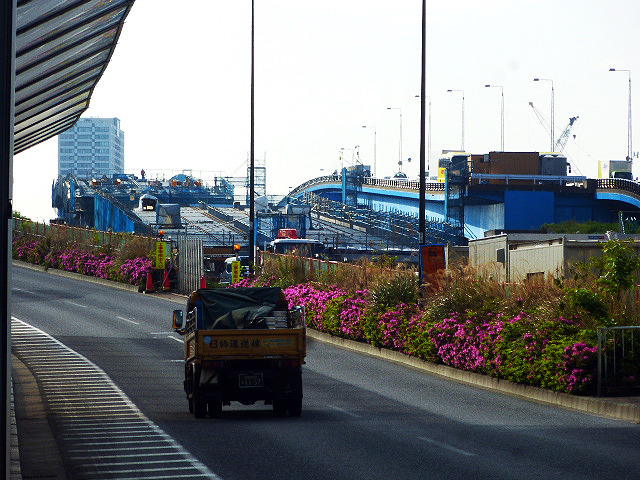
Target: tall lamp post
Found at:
462, 92
501, 114
400, 142
428, 153
629, 142
374, 146
252, 212
422, 224
552, 108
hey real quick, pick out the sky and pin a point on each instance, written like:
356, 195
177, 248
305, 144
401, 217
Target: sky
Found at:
179, 81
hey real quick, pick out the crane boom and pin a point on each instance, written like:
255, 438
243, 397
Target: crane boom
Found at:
541, 118
564, 136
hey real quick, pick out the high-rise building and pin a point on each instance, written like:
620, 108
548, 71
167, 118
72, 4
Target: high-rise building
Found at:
92, 148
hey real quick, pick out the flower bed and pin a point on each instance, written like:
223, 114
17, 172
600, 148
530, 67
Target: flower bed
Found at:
74, 259
551, 354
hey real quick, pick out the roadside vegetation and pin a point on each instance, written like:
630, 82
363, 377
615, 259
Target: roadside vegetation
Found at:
541, 333
129, 264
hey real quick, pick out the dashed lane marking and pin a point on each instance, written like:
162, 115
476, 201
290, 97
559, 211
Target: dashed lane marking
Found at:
447, 447
128, 320
74, 304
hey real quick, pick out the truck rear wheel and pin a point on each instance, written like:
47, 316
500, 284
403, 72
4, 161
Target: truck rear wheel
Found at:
215, 409
279, 407
294, 406
199, 408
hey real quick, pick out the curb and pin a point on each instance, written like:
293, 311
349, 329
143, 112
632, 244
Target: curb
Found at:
609, 407
173, 297
75, 276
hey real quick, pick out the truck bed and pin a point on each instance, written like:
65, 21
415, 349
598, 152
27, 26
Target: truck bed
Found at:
245, 344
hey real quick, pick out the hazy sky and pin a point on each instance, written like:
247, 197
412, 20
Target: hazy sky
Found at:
179, 82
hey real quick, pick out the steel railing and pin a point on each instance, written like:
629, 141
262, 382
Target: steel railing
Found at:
617, 346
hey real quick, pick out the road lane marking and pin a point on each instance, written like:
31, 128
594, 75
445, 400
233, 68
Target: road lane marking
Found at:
74, 303
346, 412
23, 290
127, 320
447, 447
175, 338
92, 431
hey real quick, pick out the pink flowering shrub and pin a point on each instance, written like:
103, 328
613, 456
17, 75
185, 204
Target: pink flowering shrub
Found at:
134, 271
315, 298
74, 259
579, 367
550, 354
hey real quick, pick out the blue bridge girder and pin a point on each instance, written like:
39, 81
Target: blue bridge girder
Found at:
510, 203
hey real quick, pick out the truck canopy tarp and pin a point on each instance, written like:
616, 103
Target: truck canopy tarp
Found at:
237, 308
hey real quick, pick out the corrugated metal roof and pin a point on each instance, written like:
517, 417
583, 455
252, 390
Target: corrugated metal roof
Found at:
62, 49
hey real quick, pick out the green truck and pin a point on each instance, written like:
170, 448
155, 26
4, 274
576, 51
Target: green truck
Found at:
242, 345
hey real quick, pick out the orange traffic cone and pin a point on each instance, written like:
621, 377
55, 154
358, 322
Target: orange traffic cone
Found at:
203, 282
149, 287
166, 284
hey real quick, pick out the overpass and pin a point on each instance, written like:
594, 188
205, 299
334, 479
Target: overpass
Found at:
490, 202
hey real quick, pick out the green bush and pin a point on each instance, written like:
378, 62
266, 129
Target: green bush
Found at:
401, 288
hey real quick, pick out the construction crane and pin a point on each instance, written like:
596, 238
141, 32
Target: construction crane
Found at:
561, 143
562, 139
541, 118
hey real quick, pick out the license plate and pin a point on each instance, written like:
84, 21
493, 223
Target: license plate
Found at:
250, 380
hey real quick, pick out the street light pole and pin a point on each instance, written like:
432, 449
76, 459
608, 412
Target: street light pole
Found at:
462, 92
252, 211
428, 154
423, 82
629, 141
400, 148
501, 114
374, 146
552, 108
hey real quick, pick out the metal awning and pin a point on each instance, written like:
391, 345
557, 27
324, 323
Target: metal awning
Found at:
62, 49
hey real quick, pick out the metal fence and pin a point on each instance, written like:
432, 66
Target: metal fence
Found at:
618, 357
87, 237
346, 274
190, 264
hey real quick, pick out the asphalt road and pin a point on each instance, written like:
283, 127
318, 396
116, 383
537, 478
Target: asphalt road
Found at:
362, 418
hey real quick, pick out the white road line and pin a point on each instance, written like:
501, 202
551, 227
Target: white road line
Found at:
447, 447
23, 290
346, 412
74, 304
160, 333
127, 320
117, 426
175, 338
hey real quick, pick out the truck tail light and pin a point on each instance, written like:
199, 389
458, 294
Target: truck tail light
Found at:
211, 364
290, 362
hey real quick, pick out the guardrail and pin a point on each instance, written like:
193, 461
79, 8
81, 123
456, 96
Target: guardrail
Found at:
535, 179
618, 353
619, 184
440, 186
